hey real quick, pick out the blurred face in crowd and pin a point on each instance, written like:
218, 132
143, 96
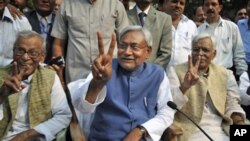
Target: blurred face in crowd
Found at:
199, 15
241, 14
28, 53
203, 48
43, 7
174, 8
56, 5
133, 50
212, 10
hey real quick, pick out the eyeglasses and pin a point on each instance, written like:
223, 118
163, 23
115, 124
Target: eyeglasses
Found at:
135, 47
204, 49
32, 53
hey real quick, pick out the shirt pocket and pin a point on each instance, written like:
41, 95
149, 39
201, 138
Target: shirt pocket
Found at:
108, 25
79, 26
225, 44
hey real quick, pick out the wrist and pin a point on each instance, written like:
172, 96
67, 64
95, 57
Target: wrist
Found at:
143, 131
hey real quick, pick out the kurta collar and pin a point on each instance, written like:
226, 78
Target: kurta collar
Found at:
220, 22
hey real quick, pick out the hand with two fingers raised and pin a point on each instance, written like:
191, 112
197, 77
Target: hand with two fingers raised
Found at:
13, 83
191, 77
101, 68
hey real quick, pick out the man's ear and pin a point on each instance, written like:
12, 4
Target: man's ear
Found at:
214, 53
149, 50
42, 58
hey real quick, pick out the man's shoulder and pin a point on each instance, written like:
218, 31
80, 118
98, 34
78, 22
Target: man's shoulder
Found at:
242, 21
228, 22
154, 67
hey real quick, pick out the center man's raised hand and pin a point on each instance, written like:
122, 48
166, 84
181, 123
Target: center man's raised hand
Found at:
101, 68
13, 83
191, 76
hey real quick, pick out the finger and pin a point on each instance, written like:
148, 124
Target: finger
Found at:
100, 43
112, 45
12, 86
95, 71
16, 81
190, 63
56, 67
197, 63
15, 69
52, 68
22, 72
98, 65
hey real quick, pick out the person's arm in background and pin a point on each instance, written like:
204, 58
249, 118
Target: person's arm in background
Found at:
244, 89
15, 12
59, 32
58, 47
238, 52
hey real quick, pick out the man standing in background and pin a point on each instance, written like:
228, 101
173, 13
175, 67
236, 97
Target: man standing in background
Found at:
159, 24
183, 30
229, 46
76, 24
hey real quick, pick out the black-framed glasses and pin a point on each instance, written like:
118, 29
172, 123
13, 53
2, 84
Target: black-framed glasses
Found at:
133, 46
203, 49
31, 53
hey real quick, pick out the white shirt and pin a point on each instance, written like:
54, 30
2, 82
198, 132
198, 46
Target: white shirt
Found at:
61, 113
182, 41
229, 44
8, 32
244, 84
154, 126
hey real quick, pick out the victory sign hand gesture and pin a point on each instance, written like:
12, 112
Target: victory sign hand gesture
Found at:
191, 76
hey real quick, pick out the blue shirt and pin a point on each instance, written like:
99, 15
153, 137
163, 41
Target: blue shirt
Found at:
245, 35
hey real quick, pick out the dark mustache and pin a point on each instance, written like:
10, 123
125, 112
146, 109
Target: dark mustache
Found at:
210, 11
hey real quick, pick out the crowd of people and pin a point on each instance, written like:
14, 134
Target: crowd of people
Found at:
122, 66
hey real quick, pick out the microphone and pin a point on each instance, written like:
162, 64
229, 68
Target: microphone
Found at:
174, 106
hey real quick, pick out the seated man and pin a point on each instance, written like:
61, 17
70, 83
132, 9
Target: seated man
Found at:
128, 95
33, 105
206, 92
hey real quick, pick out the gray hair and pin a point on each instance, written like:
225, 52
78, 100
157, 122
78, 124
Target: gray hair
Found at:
146, 33
202, 36
30, 34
